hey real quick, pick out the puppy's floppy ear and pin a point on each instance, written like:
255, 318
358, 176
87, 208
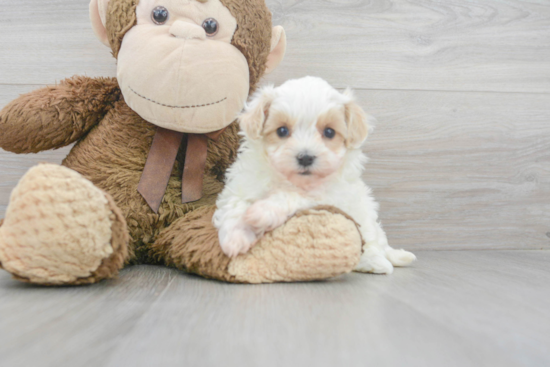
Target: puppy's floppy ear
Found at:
252, 120
359, 123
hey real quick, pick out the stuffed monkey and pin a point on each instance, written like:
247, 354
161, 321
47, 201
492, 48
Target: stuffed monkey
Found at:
140, 184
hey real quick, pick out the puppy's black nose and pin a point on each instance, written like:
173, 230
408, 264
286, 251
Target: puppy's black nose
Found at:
305, 160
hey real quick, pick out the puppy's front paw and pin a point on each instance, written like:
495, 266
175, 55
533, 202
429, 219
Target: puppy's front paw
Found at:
376, 264
263, 216
238, 241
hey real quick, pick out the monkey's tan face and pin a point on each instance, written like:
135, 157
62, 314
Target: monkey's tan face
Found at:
177, 68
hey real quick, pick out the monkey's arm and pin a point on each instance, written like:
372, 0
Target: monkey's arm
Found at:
53, 117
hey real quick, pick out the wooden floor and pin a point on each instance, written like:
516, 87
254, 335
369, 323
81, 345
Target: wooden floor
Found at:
460, 162
461, 308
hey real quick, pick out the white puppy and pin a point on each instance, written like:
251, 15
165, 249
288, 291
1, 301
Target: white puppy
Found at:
301, 149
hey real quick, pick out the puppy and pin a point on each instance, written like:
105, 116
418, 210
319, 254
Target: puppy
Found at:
301, 149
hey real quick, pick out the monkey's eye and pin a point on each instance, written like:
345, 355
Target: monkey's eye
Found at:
159, 15
210, 26
283, 132
329, 133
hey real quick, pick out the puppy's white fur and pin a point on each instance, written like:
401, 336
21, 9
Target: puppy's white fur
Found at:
268, 184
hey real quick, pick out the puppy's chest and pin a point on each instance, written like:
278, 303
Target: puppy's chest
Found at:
350, 198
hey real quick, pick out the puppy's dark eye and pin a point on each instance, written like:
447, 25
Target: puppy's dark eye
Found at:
159, 15
210, 26
329, 133
283, 132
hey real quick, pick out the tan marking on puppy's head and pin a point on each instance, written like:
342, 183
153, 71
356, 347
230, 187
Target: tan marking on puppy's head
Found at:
276, 120
256, 113
334, 119
359, 123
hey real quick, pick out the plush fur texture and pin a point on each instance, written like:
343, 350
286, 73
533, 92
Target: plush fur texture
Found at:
54, 117
113, 156
191, 244
302, 148
112, 144
121, 17
325, 242
110, 266
61, 229
251, 35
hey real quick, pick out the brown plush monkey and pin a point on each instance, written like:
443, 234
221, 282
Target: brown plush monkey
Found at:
185, 70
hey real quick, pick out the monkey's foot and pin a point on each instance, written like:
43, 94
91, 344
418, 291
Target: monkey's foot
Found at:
313, 245
60, 229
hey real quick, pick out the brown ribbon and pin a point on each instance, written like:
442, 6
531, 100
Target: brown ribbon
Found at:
160, 163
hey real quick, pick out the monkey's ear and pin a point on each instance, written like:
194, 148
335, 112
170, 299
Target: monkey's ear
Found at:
359, 123
98, 16
252, 120
278, 49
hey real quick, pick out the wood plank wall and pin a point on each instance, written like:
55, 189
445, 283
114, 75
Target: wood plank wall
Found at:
460, 158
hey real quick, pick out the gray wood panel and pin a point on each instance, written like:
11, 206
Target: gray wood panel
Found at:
44, 42
480, 45
485, 45
461, 170
451, 309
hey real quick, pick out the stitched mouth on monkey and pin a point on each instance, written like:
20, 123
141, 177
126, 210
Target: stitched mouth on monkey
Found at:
172, 106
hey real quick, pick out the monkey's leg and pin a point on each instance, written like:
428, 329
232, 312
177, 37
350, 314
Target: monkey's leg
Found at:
313, 245
61, 230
